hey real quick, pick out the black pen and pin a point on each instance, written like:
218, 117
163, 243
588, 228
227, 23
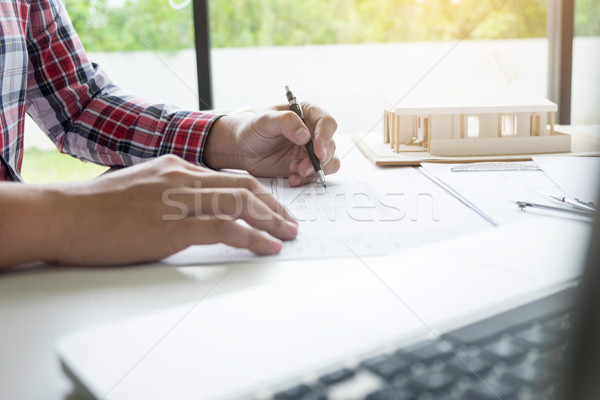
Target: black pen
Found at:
295, 107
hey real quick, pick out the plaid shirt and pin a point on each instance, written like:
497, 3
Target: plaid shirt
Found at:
45, 72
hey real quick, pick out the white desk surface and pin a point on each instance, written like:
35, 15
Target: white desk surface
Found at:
39, 305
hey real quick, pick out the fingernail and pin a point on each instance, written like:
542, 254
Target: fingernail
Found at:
301, 135
292, 228
274, 246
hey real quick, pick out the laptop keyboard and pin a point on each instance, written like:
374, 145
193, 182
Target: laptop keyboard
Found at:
514, 355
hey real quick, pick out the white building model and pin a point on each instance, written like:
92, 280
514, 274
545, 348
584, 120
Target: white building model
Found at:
475, 122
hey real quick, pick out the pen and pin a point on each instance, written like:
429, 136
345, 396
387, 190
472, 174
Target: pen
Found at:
523, 204
574, 202
296, 108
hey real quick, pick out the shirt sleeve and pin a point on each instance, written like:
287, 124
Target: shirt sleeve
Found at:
85, 114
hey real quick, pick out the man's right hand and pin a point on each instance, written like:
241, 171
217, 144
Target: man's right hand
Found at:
144, 213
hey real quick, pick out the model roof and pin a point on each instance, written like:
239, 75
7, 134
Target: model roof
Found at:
479, 100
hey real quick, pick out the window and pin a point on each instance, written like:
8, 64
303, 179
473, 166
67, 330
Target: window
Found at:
146, 47
358, 57
585, 96
508, 125
472, 127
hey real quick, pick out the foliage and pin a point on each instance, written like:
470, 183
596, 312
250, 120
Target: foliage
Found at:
587, 18
128, 25
110, 25
52, 166
281, 22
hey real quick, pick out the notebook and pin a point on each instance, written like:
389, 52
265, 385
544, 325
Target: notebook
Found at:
493, 315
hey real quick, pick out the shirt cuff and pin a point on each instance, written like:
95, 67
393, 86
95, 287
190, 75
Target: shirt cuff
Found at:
186, 135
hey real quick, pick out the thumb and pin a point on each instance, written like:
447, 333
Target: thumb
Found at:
283, 123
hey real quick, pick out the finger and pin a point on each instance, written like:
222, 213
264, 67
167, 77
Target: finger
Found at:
294, 164
242, 203
217, 230
305, 167
321, 123
231, 180
324, 126
282, 123
297, 180
227, 203
331, 147
332, 167
204, 178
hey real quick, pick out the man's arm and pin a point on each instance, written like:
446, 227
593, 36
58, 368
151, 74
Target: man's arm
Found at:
143, 213
89, 117
24, 226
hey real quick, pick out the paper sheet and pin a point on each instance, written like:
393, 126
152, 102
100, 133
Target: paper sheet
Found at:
343, 201
579, 177
492, 193
310, 246
344, 220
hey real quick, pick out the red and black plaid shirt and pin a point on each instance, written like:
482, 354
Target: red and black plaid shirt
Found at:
45, 72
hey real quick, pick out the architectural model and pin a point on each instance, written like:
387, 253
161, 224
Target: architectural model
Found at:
478, 122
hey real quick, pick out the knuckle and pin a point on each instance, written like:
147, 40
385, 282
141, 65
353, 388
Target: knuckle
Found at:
264, 119
204, 170
220, 227
336, 163
253, 239
245, 193
247, 182
331, 121
175, 173
309, 108
171, 158
289, 118
332, 147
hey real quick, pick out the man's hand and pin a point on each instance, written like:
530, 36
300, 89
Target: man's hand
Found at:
271, 144
142, 213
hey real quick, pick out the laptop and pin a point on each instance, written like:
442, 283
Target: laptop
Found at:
504, 314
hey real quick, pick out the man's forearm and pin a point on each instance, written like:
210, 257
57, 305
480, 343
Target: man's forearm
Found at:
221, 150
85, 114
25, 223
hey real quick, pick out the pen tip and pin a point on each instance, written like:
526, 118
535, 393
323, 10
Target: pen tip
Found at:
287, 88
520, 204
321, 177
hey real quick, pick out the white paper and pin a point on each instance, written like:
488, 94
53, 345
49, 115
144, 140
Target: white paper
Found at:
492, 193
578, 177
343, 201
346, 219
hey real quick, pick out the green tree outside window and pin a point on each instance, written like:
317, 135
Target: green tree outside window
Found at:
129, 25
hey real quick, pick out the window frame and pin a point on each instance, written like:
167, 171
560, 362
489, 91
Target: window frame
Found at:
560, 32
203, 60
